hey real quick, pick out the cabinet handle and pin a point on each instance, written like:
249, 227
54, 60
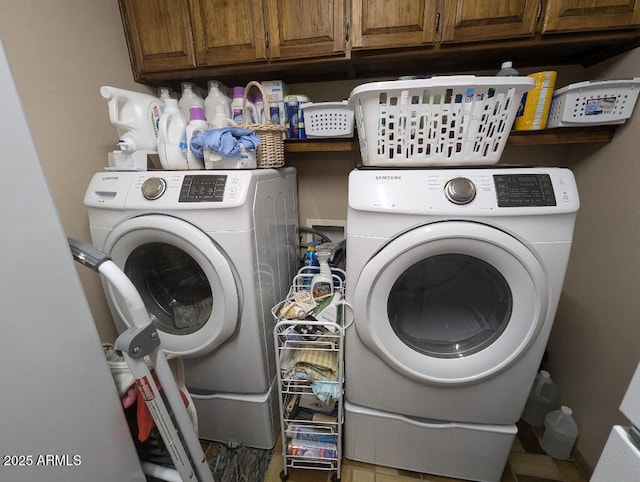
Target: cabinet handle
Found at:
438, 22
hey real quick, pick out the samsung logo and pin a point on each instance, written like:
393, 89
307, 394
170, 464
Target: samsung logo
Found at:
388, 178
110, 178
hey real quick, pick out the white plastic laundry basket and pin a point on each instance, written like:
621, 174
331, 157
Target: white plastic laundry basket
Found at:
446, 120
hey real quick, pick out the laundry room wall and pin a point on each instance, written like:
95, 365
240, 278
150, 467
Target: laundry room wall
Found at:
595, 344
60, 54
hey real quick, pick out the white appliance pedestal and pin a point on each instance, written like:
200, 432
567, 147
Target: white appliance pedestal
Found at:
467, 451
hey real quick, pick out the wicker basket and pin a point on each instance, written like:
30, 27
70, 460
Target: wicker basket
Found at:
270, 152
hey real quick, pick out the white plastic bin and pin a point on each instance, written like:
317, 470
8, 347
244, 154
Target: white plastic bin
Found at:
596, 102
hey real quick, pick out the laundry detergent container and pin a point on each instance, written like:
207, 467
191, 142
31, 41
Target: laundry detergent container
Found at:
441, 121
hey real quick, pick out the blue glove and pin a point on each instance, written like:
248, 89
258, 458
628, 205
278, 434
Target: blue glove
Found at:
227, 141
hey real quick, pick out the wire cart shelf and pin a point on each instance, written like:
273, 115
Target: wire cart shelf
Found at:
310, 363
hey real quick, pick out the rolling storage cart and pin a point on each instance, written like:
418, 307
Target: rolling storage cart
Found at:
310, 362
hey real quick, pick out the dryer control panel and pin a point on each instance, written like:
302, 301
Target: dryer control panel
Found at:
498, 191
521, 190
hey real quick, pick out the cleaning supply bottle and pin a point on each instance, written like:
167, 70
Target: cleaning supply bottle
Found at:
189, 98
136, 117
197, 125
237, 105
252, 114
507, 70
170, 134
215, 98
322, 282
259, 104
310, 256
542, 399
560, 433
213, 159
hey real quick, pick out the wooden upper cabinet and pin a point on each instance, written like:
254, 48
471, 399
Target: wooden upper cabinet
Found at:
313, 28
227, 33
472, 20
400, 23
588, 15
158, 34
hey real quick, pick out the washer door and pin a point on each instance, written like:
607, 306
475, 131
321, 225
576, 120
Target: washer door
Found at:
450, 302
186, 282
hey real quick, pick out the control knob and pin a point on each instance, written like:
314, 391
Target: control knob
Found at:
460, 190
153, 188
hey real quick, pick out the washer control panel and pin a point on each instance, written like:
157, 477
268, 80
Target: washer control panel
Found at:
203, 188
153, 188
460, 190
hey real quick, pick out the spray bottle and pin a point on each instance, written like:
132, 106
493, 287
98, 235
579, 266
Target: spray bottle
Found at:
136, 117
189, 98
171, 132
322, 282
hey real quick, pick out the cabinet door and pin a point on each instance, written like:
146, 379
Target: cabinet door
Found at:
227, 33
384, 24
470, 20
585, 15
158, 33
309, 28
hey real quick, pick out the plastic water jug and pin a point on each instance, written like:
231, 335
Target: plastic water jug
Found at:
560, 433
136, 117
542, 399
170, 135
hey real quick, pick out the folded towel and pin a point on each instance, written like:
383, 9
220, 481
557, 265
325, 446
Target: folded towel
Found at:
227, 141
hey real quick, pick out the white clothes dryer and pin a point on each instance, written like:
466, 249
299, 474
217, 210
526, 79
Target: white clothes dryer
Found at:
211, 252
454, 276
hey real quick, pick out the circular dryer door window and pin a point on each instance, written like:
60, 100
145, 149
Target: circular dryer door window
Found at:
451, 302
449, 305
188, 285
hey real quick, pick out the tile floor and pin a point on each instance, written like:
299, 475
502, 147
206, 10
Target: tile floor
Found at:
527, 463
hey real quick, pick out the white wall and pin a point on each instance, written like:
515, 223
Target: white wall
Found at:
60, 54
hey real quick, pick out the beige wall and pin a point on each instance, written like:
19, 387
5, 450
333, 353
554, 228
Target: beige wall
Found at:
595, 344
62, 52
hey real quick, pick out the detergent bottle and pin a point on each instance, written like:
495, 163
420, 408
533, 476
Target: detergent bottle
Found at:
189, 98
197, 125
170, 134
237, 105
216, 98
136, 117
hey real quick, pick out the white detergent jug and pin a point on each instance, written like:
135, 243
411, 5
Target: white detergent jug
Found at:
136, 117
189, 98
170, 134
216, 98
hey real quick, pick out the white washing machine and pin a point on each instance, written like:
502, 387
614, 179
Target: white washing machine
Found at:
211, 252
454, 277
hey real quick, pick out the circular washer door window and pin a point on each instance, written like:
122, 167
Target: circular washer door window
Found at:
187, 283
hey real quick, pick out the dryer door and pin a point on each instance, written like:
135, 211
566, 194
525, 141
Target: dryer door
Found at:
451, 302
187, 283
